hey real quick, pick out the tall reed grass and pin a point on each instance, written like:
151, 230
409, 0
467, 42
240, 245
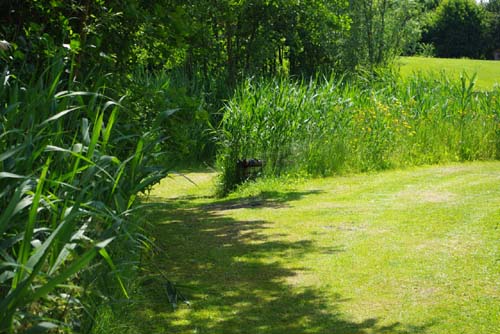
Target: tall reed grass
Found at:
338, 125
71, 166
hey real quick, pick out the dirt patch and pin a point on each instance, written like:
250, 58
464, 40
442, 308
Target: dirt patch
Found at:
435, 197
456, 246
345, 226
452, 169
427, 196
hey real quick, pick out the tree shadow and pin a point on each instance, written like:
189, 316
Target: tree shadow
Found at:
235, 277
266, 199
269, 199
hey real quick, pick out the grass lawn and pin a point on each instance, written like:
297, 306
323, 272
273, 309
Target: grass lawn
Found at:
412, 251
488, 71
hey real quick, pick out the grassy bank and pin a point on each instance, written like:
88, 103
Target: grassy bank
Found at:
488, 71
413, 251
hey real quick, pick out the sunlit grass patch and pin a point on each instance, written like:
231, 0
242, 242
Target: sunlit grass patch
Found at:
350, 254
488, 71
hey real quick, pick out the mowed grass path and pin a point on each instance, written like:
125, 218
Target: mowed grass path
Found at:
413, 251
487, 71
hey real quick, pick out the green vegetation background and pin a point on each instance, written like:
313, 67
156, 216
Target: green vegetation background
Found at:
99, 100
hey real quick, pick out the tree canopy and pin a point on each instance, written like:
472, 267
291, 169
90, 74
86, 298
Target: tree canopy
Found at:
457, 29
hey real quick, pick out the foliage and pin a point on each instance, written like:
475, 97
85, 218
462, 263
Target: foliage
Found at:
493, 26
112, 34
175, 107
323, 127
381, 30
231, 39
95, 93
457, 29
71, 169
425, 50
429, 5
225, 39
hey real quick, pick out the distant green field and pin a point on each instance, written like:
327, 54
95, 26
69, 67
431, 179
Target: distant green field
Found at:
488, 71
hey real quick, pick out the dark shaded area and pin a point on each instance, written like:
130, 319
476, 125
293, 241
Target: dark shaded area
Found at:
225, 268
266, 199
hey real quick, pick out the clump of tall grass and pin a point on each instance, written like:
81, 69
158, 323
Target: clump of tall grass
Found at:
71, 166
336, 125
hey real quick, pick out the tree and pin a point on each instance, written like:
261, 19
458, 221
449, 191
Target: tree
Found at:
254, 37
456, 30
380, 30
108, 34
429, 5
493, 26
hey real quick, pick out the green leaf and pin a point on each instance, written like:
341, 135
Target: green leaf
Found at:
168, 113
42, 327
59, 115
16, 204
69, 214
7, 175
107, 258
11, 152
74, 45
95, 135
67, 249
68, 93
109, 126
28, 231
85, 131
76, 266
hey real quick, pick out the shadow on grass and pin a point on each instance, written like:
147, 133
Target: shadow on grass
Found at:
266, 199
269, 199
235, 277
